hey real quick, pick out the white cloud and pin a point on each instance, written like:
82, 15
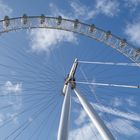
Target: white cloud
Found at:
46, 39
4, 9
124, 127
85, 130
129, 116
81, 117
9, 87
132, 30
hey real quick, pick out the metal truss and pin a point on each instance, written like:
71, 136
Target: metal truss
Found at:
59, 23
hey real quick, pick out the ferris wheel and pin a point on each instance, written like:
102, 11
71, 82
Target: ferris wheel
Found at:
44, 76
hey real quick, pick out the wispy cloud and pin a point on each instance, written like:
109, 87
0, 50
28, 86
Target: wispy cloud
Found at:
132, 30
116, 112
5, 9
106, 7
124, 127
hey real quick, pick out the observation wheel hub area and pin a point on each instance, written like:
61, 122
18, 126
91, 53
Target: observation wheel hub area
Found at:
70, 79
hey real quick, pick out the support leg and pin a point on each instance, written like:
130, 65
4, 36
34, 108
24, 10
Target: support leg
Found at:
99, 124
65, 113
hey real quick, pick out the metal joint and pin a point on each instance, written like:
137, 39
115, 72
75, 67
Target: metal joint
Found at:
70, 79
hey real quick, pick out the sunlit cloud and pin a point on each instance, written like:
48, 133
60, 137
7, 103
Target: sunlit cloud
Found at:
132, 30
46, 39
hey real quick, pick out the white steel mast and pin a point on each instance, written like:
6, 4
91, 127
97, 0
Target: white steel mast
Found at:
65, 113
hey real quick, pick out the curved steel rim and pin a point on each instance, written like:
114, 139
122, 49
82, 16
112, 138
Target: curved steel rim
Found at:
59, 23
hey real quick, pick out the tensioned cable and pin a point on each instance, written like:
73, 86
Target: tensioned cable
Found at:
109, 63
104, 84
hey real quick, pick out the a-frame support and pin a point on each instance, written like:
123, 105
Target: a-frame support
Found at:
98, 123
64, 119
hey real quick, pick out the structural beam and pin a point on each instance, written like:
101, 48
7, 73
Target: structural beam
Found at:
65, 113
99, 124
107, 85
71, 76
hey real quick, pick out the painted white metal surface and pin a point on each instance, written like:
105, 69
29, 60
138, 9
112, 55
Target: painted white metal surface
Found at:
108, 85
65, 113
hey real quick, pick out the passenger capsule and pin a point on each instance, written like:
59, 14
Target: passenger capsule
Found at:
24, 19
42, 19
76, 22
59, 20
107, 34
6, 21
92, 28
122, 43
137, 52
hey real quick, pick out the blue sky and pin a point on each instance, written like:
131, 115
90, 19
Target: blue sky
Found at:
34, 64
